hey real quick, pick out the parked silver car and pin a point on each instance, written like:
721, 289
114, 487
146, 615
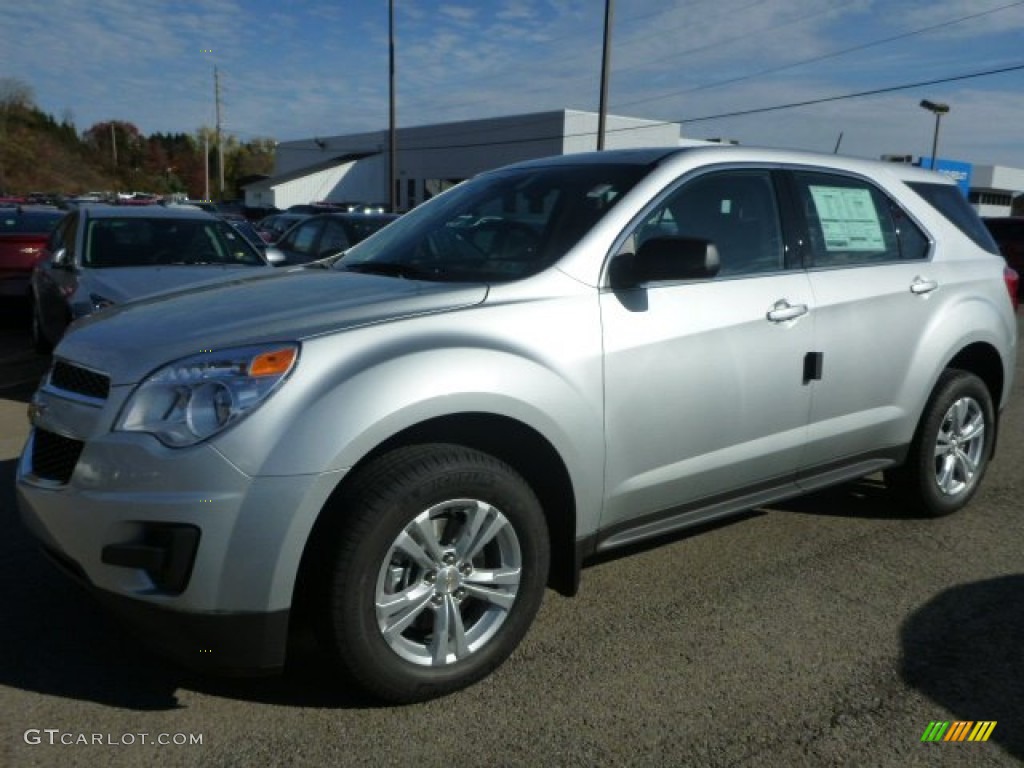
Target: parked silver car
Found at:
103, 255
546, 362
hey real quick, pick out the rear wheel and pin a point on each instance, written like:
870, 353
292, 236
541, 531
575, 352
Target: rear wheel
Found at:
951, 448
438, 570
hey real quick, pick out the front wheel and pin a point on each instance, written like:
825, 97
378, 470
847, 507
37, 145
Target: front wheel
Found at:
951, 448
439, 569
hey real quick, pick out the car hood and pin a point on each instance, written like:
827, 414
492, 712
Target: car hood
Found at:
129, 341
121, 284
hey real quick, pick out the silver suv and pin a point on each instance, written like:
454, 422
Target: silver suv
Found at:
407, 445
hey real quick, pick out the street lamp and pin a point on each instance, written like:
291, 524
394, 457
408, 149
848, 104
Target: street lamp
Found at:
939, 110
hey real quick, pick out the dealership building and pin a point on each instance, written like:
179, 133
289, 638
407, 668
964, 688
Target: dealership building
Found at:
432, 158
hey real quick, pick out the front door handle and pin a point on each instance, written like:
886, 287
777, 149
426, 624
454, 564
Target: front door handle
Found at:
921, 286
783, 311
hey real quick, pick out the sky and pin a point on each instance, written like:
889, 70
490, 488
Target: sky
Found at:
305, 68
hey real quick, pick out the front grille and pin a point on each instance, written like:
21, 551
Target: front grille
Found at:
82, 381
54, 456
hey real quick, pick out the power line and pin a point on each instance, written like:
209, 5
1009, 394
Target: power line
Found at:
833, 54
859, 94
739, 113
822, 57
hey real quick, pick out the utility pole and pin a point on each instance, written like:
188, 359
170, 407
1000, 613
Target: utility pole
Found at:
392, 150
113, 142
220, 137
206, 163
609, 13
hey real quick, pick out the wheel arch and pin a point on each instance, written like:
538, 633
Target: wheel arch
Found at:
984, 361
520, 446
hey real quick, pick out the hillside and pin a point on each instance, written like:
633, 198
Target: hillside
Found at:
39, 154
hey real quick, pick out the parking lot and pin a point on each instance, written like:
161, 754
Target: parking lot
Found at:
830, 630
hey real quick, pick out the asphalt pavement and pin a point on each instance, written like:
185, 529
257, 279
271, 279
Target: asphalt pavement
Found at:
830, 630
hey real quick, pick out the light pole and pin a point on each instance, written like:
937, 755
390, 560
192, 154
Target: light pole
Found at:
939, 110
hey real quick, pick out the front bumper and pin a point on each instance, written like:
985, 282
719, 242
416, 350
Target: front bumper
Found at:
196, 554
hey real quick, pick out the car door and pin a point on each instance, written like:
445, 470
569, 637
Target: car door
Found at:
706, 393
875, 291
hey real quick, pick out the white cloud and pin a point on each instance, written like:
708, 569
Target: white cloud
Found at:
320, 67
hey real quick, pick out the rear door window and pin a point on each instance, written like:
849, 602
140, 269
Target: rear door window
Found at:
851, 222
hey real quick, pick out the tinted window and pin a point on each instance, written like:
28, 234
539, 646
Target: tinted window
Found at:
302, 238
851, 222
735, 210
132, 242
334, 238
362, 228
28, 222
947, 200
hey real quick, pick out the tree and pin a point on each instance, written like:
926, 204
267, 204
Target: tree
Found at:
118, 140
16, 93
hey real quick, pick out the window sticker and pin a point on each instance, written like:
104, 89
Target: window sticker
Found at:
848, 219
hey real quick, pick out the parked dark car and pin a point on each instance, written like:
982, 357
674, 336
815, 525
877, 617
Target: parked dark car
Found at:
1008, 232
24, 230
104, 255
246, 228
271, 228
325, 234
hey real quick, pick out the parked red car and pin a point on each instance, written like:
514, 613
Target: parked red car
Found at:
1008, 232
24, 230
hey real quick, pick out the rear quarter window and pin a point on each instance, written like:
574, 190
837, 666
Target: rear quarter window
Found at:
947, 200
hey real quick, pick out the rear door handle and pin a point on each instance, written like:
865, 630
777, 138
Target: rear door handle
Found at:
920, 286
783, 311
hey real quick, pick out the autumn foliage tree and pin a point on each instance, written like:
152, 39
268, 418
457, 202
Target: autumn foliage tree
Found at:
39, 153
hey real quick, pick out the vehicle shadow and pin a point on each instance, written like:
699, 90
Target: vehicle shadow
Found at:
963, 650
21, 367
866, 498
58, 641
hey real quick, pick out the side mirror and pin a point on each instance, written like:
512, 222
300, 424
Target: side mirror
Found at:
666, 258
274, 255
60, 258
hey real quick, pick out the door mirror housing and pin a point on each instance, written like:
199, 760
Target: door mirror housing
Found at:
666, 258
274, 255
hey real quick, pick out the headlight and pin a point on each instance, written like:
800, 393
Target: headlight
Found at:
192, 399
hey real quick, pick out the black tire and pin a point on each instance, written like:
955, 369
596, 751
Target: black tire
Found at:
411, 499
949, 455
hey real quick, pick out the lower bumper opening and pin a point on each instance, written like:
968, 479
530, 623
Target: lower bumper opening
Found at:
166, 552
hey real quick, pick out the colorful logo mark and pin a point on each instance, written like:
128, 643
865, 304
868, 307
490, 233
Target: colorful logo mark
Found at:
959, 730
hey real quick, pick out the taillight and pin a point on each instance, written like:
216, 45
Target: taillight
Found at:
1012, 284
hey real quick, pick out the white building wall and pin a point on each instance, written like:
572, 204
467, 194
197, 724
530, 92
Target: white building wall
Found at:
438, 155
620, 133
992, 210
998, 177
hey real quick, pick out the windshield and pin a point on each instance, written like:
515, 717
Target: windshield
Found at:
139, 242
498, 227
